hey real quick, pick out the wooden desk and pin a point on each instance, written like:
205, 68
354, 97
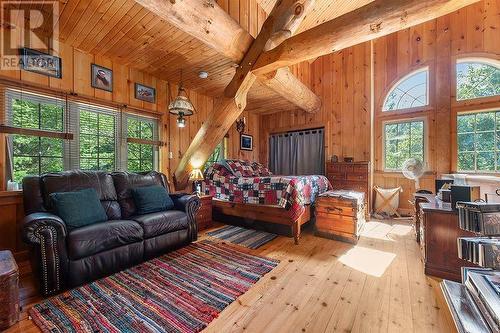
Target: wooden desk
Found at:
438, 240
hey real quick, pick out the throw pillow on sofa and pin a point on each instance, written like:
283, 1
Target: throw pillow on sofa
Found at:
79, 208
151, 199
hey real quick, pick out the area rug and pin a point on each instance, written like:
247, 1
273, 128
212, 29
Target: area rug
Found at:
249, 238
182, 291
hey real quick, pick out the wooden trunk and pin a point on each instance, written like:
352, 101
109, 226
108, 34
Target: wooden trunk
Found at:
339, 218
9, 290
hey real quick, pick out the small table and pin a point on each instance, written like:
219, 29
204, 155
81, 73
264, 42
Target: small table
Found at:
204, 214
9, 290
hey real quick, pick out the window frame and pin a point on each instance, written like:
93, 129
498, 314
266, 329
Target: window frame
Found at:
397, 81
474, 104
456, 152
156, 134
425, 140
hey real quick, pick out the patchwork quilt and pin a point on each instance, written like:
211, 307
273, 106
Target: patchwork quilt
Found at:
289, 192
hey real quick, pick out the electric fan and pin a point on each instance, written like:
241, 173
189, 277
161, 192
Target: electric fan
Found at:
413, 169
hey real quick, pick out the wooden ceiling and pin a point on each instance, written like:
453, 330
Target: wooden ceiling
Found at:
126, 32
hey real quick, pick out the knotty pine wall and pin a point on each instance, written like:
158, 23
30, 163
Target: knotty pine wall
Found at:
344, 81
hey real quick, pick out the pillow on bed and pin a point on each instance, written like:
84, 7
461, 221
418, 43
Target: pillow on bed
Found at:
261, 170
240, 168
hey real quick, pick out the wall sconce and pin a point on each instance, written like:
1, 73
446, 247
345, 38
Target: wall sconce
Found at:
240, 125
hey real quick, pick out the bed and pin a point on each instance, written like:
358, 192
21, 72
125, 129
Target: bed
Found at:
250, 191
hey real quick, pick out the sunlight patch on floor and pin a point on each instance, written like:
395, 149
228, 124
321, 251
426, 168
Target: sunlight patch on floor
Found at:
385, 231
369, 261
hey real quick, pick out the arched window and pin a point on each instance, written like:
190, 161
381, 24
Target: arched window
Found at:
477, 77
409, 92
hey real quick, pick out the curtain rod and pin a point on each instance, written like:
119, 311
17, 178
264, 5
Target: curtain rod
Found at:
298, 131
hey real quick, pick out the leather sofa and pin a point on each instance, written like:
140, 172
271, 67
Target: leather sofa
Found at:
63, 258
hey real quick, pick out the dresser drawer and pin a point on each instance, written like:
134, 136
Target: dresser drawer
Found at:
357, 177
335, 176
360, 168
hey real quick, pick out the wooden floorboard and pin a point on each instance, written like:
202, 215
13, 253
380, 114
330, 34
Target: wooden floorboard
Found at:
323, 285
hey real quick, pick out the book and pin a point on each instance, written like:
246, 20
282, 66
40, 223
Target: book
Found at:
494, 281
486, 297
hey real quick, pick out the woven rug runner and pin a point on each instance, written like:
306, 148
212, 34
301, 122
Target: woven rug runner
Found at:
249, 238
182, 291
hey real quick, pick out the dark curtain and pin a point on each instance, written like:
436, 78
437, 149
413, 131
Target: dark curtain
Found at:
297, 153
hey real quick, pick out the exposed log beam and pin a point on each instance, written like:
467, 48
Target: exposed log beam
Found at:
229, 107
208, 22
377, 19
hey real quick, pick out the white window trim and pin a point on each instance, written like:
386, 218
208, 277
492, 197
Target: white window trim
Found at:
399, 121
398, 82
474, 172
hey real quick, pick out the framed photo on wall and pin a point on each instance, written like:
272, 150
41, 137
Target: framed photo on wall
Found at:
145, 93
101, 78
41, 63
246, 142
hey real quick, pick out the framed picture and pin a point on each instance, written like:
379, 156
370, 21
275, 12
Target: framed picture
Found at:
246, 142
145, 93
101, 77
41, 63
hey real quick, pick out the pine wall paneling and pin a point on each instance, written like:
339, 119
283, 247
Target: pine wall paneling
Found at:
342, 80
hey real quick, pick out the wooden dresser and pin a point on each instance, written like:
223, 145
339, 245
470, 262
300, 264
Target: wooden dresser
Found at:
350, 176
204, 214
439, 231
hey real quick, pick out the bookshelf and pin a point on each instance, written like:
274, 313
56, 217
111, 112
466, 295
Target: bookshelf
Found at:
475, 303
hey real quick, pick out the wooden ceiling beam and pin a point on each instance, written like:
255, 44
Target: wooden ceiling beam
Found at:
209, 23
377, 19
230, 106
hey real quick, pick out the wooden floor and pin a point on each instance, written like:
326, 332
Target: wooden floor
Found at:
323, 285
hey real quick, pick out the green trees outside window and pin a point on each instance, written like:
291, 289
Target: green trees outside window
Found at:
97, 141
219, 153
477, 78
33, 155
478, 141
403, 140
140, 157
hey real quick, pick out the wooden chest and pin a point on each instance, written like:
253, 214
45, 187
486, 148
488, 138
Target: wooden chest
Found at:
350, 176
9, 290
204, 214
340, 215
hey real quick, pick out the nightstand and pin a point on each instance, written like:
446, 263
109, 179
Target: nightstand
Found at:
204, 214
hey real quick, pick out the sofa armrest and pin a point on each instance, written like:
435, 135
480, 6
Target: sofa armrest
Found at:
45, 233
190, 204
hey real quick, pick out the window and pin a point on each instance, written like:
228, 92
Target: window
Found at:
220, 153
141, 156
49, 134
478, 141
403, 140
409, 92
97, 137
477, 78
37, 153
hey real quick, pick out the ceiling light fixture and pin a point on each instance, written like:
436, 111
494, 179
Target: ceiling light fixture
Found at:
181, 106
202, 75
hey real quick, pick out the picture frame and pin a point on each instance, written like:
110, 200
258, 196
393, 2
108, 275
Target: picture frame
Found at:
246, 142
144, 93
40, 63
101, 78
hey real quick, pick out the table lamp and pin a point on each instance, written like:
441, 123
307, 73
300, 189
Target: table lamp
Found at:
196, 177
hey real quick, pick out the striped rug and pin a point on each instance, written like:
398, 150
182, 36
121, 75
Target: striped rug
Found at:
244, 237
182, 291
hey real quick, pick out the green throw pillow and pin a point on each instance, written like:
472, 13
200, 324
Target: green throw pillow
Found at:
78, 209
151, 199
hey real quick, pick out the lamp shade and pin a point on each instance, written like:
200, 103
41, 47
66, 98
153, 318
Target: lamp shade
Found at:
196, 175
181, 105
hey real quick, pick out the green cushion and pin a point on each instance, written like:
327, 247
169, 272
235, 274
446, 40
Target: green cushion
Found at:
78, 209
151, 199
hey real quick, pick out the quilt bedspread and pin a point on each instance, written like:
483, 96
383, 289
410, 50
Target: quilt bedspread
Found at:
289, 192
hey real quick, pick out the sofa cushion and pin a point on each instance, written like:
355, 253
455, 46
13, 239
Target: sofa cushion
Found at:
125, 182
79, 208
95, 238
151, 199
74, 180
159, 223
